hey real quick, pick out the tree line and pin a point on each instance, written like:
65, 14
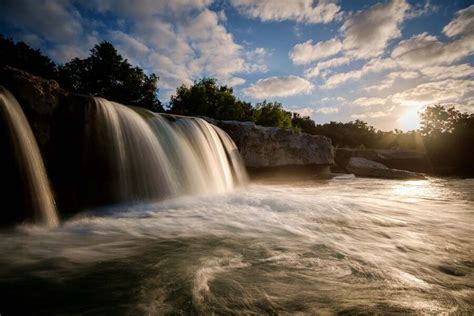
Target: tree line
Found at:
446, 133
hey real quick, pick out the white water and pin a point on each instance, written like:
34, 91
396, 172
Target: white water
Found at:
154, 157
340, 246
29, 160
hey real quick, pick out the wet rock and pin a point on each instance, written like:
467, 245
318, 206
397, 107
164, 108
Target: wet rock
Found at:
362, 167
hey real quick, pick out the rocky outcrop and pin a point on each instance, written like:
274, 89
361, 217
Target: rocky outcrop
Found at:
278, 149
362, 167
39, 99
410, 160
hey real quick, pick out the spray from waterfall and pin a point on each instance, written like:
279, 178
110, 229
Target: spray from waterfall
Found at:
37, 191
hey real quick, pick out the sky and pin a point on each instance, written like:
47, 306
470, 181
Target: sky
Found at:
378, 61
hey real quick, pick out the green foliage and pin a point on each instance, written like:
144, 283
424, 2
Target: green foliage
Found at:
303, 124
21, 56
271, 114
107, 74
205, 97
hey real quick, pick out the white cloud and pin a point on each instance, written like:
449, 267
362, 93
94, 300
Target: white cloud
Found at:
306, 111
375, 114
305, 11
306, 52
373, 66
365, 101
368, 32
463, 24
430, 93
233, 82
390, 79
278, 87
331, 63
327, 110
426, 50
445, 72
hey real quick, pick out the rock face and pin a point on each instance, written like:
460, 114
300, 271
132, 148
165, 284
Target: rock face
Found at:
271, 147
362, 167
38, 98
393, 158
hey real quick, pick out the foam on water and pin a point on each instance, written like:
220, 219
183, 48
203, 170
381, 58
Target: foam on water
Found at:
339, 246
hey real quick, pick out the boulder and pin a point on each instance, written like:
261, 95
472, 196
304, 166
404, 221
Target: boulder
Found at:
410, 160
277, 148
362, 167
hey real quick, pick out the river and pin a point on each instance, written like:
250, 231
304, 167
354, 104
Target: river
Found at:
344, 246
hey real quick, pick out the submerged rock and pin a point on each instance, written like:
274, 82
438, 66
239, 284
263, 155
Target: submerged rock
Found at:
362, 167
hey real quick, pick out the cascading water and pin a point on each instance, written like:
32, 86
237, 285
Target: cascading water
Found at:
28, 160
151, 156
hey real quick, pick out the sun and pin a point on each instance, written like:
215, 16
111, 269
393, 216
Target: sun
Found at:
410, 120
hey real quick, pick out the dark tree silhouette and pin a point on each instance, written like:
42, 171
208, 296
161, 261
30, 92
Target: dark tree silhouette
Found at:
107, 74
21, 56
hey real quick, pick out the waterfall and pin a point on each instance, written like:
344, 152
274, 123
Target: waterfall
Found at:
37, 193
149, 156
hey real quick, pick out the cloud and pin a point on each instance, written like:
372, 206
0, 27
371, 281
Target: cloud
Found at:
430, 93
306, 52
463, 24
304, 11
445, 72
373, 66
375, 114
331, 63
367, 33
279, 87
327, 110
364, 101
306, 111
424, 50
390, 79
54, 20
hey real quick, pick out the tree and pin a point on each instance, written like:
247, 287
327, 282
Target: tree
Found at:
107, 74
271, 114
205, 97
21, 56
305, 124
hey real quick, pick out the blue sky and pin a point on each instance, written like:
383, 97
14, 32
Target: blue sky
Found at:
379, 61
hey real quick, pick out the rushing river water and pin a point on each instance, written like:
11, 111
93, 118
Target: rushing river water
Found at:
339, 246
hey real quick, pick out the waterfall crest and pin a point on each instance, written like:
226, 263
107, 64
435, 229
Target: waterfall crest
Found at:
37, 193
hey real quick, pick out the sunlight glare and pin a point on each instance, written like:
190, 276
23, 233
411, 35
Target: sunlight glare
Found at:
410, 120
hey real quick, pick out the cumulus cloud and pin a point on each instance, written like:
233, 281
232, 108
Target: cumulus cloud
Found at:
327, 110
306, 52
179, 40
426, 50
389, 80
364, 101
450, 90
373, 66
305, 11
445, 72
463, 23
367, 33
331, 63
278, 87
